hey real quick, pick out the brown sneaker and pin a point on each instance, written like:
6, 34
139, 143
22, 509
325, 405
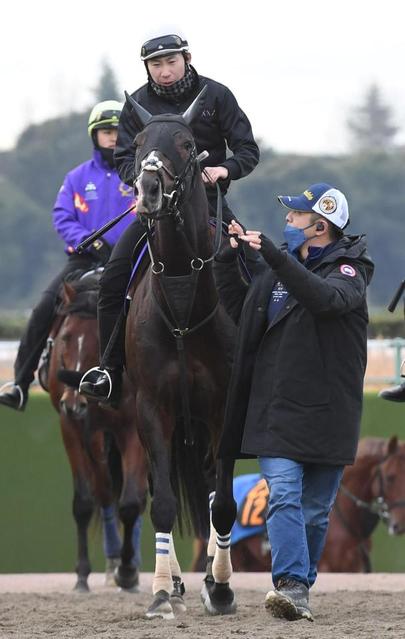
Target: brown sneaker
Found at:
289, 600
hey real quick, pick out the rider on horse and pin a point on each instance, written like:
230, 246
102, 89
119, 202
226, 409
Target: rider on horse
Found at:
91, 194
172, 86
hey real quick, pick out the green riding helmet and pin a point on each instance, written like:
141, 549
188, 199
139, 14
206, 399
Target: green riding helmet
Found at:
105, 115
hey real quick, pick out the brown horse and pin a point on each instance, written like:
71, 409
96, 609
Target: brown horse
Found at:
372, 490
177, 352
102, 444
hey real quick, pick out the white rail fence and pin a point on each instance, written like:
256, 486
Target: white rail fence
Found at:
385, 357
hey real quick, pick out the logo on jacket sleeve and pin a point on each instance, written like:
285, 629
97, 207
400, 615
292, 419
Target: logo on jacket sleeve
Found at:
346, 269
80, 203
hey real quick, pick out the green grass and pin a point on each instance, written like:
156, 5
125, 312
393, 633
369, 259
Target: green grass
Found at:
37, 528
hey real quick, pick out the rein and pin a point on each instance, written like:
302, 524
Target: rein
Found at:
179, 327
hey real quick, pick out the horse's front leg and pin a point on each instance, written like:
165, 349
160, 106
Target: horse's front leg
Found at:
218, 597
163, 509
83, 498
131, 505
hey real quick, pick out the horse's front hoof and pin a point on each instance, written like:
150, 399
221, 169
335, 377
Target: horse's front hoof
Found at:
160, 607
127, 578
206, 588
220, 600
81, 585
176, 598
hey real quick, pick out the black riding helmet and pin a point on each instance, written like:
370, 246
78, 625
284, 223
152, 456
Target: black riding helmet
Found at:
163, 45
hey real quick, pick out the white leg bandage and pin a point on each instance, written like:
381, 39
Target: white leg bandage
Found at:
222, 567
212, 542
174, 564
163, 577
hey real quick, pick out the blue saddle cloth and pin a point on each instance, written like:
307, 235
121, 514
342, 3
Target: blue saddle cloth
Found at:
251, 495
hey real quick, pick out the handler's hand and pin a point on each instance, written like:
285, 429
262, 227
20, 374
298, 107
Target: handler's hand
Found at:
253, 239
211, 174
235, 229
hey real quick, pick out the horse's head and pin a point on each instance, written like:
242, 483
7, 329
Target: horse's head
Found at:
388, 486
77, 343
166, 158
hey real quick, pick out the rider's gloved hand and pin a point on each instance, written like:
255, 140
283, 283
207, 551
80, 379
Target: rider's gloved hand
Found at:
100, 250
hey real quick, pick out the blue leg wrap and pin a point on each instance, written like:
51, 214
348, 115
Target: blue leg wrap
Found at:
136, 541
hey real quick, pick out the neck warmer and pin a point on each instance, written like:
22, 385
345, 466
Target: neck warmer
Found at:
180, 89
107, 155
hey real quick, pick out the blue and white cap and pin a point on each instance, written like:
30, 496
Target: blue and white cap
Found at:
320, 198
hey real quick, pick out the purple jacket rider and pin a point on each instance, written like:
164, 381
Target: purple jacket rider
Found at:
90, 196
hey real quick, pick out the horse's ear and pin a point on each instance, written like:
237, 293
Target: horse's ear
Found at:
142, 114
69, 293
195, 107
392, 445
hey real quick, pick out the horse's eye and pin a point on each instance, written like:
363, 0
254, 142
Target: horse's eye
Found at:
188, 145
65, 337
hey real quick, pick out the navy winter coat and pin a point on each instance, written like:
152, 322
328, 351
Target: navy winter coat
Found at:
297, 384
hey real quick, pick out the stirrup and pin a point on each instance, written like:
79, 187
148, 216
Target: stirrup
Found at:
92, 379
18, 387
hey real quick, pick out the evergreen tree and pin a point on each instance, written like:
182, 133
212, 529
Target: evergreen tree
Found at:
107, 86
370, 124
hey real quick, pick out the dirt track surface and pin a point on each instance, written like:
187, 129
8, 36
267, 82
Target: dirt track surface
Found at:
364, 606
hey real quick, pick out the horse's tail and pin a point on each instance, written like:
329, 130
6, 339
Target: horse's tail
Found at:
190, 478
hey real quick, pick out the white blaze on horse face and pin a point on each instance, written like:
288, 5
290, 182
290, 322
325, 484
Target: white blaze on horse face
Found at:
80, 340
151, 163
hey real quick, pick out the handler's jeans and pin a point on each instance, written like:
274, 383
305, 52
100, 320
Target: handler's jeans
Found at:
301, 497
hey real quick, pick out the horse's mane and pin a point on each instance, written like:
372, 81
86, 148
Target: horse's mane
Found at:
84, 303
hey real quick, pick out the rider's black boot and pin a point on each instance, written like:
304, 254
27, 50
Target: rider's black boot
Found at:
396, 394
102, 384
16, 397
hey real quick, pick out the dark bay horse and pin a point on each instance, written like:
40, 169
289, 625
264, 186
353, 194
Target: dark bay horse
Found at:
178, 344
372, 490
105, 454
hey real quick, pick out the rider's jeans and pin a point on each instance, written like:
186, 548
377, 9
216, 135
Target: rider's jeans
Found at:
301, 497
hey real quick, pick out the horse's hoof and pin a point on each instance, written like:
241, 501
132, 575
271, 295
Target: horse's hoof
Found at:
160, 607
206, 588
178, 604
176, 597
220, 600
127, 578
111, 565
81, 585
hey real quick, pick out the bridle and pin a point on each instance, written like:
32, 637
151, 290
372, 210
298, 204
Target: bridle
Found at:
379, 505
171, 201
378, 508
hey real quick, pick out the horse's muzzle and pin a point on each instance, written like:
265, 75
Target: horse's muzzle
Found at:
150, 193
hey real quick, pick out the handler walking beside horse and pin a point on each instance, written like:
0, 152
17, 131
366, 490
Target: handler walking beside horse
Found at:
295, 395
91, 194
172, 86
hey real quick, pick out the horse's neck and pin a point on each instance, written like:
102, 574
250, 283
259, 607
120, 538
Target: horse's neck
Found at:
358, 478
177, 247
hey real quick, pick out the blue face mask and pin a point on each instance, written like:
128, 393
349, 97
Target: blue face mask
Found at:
294, 237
